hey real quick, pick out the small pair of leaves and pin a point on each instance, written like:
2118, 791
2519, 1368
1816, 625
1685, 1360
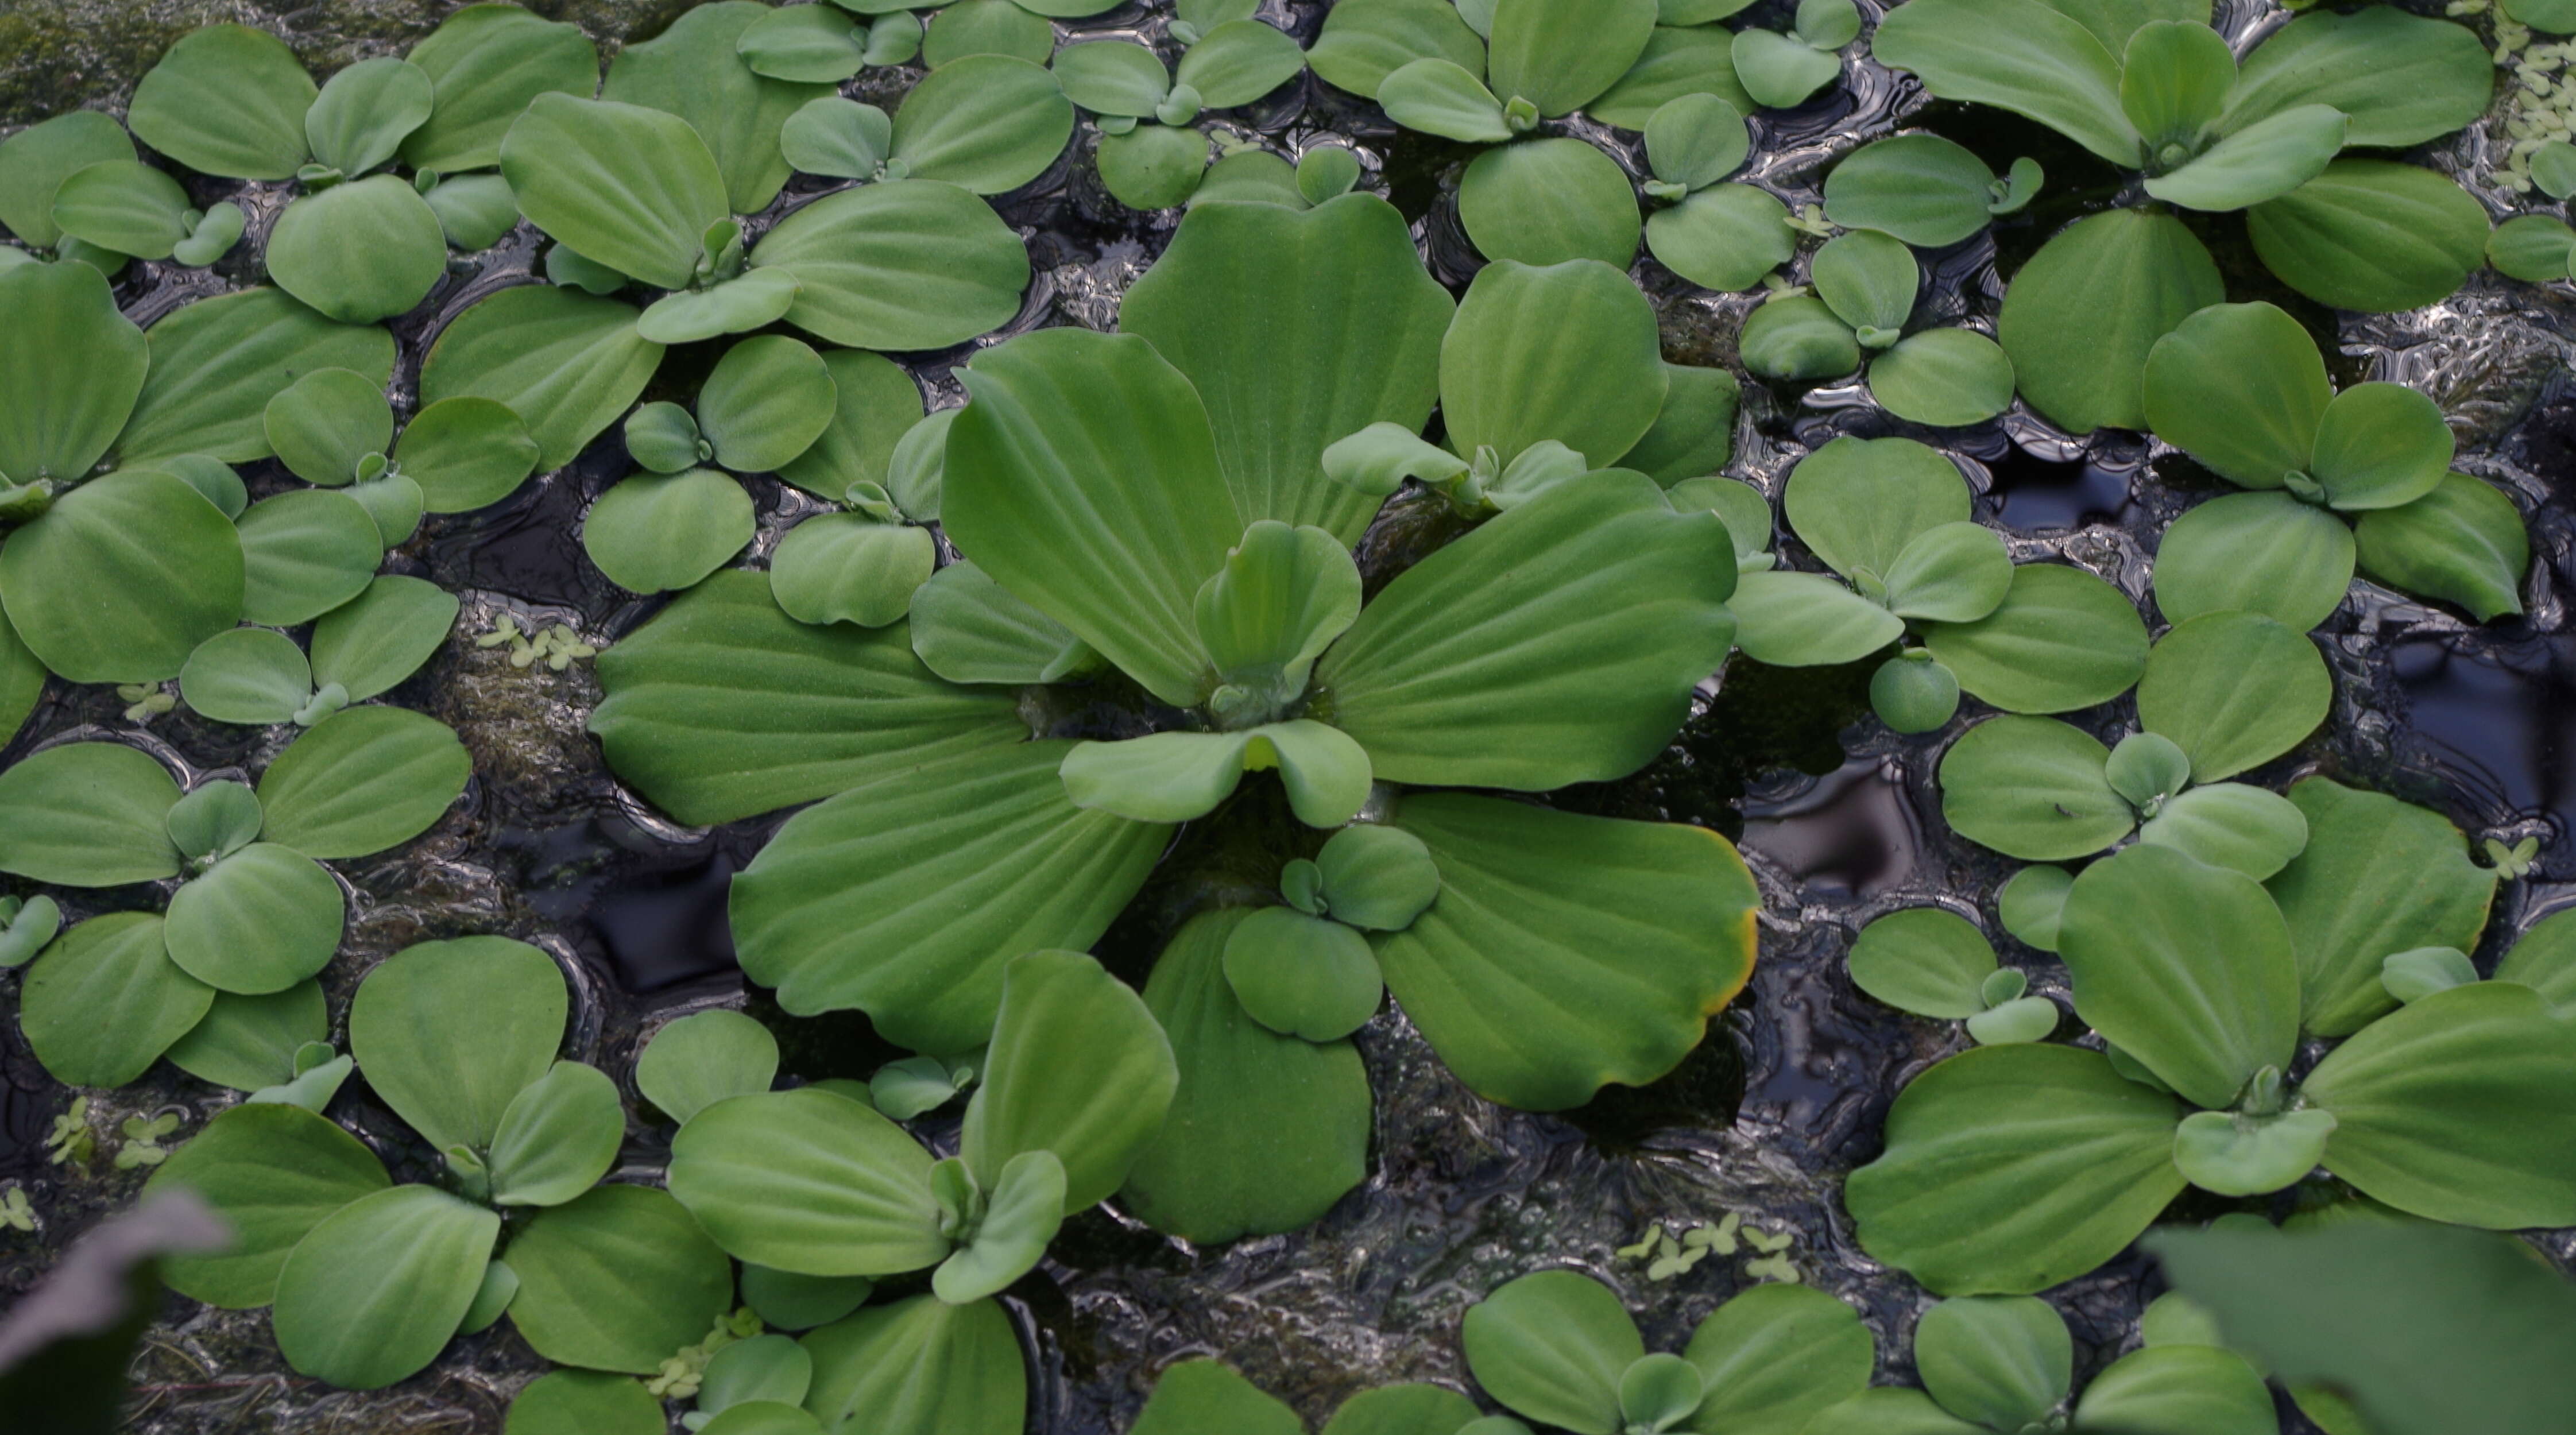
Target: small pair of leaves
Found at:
364, 648
1783, 71
1934, 963
1925, 190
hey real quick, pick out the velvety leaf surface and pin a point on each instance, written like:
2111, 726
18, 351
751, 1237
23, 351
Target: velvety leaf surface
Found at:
486, 63
87, 814
1774, 1356
2063, 639
919, 1367
217, 362
1566, 352
2080, 318
1077, 1067
2234, 690
1547, 201
250, 1042
617, 1280
565, 363
448, 1033
104, 1001
808, 1181
912, 264
2018, 55
260, 920
1567, 952
2378, 876
361, 781
373, 1292
1552, 1346
273, 1172
226, 100
690, 70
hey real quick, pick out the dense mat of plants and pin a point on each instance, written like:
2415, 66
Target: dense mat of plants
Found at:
1133, 716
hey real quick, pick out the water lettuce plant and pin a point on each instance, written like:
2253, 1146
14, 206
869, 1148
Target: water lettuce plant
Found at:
1889, 517
2336, 480
2006, 1363
2156, 91
1935, 963
367, 1279
255, 912
1866, 282
1194, 1395
2202, 980
1208, 566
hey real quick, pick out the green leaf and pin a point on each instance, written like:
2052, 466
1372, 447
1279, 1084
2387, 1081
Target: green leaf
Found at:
1676, 62
216, 820
2239, 1154
557, 1137
2535, 248
969, 629
226, 100
450, 1032
260, 920
2373, 235
810, 1182
1283, 596
2262, 161
69, 392
487, 63
1546, 201
123, 205
2228, 824
1559, 57
1797, 338
1779, 71
362, 781
2184, 966
1168, 777
1923, 189
920, 1367
701, 1059
1413, 1408
631, 187
2063, 639
2235, 690
1868, 279
847, 567
1925, 960
2242, 389
1084, 458
1774, 1356
691, 71
122, 578
1947, 378
2018, 55
2000, 1361
1303, 976
583, 1402
475, 211
250, 1042
1238, 62
566, 364
105, 1001
2009, 1169
986, 27
359, 252
217, 362
1552, 1346
1341, 330
1077, 1067
87, 814
376, 640
1591, 698
1197, 1395
986, 123
2380, 445
816, 44
2403, 79
324, 423
1956, 572
1858, 503
765, 403
2031, 788
2080, 351
2377, 876
619, 1279
875, 407
906, 265
2445, 1108
36, 160
652, 532
1362, 43
724, 706
837, 138
1153, 166
273, 1172
304, 553
2265, 553
2430, 1330
1694, 435
1798, 620
365, 112
1566, 352
1113, 77
1726, 236
749, 301
1511, 974
1380, 878
2463, 543
1026, 1206
2174, 79
372, 1293
1266, 1131
856, 902
1889, 1410
788, 1301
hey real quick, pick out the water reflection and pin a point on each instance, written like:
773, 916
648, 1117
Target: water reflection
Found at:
2498, 717
1851, 832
